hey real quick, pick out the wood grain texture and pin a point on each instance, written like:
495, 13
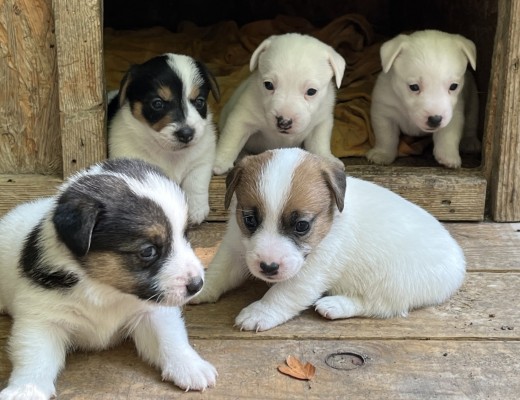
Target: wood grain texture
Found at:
79, 39
502, 135
29, 121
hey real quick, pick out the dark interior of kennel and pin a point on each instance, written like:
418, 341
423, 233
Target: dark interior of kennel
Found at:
475, 20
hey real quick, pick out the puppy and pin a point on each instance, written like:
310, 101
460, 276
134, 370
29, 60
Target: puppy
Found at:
105, 259
311, 231
287, 101
160, 115
425, 88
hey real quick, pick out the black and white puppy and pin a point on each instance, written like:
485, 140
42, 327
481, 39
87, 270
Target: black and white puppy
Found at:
161, 115
105, 259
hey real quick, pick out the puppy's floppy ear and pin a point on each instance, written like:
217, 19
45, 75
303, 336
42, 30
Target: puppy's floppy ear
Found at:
338, 64
469, 49
253, 63
124, 85
336, 180
390, 50
232, 179
213, 85
74, 220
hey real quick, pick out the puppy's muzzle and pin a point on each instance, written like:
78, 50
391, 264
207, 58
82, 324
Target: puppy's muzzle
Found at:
185, 134
194, 286
434, 121
283, 124
269, 269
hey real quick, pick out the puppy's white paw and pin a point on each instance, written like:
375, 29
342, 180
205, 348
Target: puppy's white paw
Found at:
337, 161
449, 159
470, 145
205, 296
380, 156
259, 317
197, 214
192, 373
222, 166
335, 307
25, 392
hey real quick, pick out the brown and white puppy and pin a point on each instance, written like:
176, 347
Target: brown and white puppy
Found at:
310, 230
161, 115
105, 259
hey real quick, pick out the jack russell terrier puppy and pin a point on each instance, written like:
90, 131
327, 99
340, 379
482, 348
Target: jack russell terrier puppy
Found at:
425, 88
287, 101
312, 231
105, 259
161, 115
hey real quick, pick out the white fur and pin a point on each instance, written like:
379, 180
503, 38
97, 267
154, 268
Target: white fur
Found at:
434, 61
92, 315
382, 257
190, 166
293, 63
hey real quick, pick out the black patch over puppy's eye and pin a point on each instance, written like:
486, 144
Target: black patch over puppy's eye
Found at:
414, 87
250, 220
269, 85
311, 92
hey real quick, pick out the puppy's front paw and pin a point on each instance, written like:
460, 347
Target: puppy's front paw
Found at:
259, 317
191, 373
198, 214
205, 296
25, 392
335, 307
448, 159
380, 156
222, 166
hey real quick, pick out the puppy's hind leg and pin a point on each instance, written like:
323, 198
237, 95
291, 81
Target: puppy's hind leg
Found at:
336, 307
37, 354
161, 339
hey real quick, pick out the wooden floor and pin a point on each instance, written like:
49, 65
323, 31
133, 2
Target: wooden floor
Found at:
468, 348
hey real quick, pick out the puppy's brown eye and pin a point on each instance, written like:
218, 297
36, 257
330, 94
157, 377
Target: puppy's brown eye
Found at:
250, 221
454, 86
269, 85
302, 227
311, 92
148, 253
157, 104
414, 87
199, 103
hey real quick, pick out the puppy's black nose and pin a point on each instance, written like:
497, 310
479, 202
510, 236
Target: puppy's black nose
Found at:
185, 134
194, 286
434, 121
283, 124
269, 269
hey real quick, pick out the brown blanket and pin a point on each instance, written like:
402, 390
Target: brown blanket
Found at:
225, 49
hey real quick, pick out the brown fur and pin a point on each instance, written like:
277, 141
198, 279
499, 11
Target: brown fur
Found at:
108, 268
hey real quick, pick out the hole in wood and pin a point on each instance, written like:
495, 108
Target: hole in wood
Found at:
345, 361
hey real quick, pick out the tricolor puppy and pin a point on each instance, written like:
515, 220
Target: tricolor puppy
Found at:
425, 88
160, 115
310, 231
287, 101
105, 259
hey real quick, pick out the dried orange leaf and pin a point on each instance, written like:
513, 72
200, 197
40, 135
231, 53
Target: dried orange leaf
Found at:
296, 369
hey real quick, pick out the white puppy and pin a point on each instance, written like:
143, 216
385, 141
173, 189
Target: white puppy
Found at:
311, 231
104, 259
425, 88
161, 115
287, 101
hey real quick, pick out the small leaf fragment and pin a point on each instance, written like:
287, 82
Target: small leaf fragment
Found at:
296, 369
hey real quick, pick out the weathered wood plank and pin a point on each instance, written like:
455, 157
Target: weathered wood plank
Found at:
79, 39
486, 307
450, 195
28, 92
502, 135
393, 369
